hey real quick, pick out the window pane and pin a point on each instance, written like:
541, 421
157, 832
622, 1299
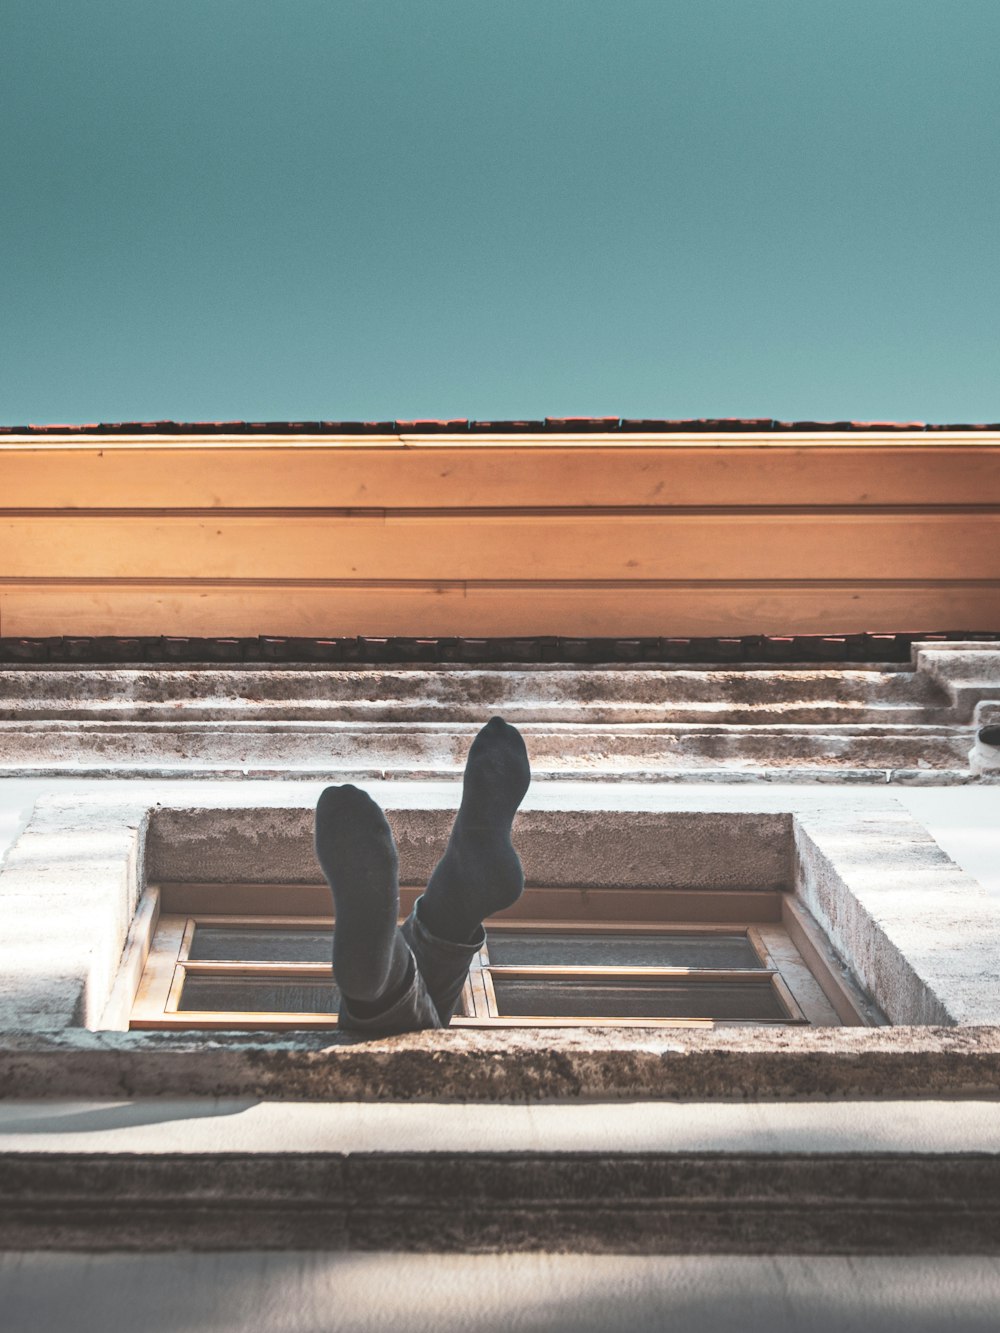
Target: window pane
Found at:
587, 998
259, 995
274, 944
566, 949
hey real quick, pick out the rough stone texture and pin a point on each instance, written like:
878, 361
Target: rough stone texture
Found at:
419, 695
629, 1064
68, 890
806, 1177
648, 1204
673, 848
984, 760
421, 749
967, 672
921, 935
636, 722
818, 774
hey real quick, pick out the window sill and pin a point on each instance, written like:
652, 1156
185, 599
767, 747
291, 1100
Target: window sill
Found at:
518, 1064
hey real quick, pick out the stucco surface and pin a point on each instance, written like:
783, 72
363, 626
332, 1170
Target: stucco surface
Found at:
211, 1125
921, 935
965, 821
301, 1292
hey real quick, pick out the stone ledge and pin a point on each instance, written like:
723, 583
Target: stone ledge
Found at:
861, 1176
647, 1204
922, 935
813, 775
627, 1064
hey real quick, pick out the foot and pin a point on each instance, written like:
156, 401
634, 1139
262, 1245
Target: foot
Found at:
480, 872
357, 854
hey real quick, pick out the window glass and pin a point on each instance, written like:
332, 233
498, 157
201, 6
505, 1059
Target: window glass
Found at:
577, 998
265, 945
258, 995
568, 949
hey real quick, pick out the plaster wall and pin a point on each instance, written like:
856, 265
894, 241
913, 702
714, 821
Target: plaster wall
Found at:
299, 1292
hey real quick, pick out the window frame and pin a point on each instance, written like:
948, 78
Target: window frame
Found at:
796, 962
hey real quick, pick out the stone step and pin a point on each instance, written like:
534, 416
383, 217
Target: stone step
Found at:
440, 749
636, 722
598, 695
653, 1177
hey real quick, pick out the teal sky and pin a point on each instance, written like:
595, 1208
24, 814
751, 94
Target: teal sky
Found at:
299, 209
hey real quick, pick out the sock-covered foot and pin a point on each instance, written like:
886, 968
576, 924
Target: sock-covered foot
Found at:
357, 854
480, 873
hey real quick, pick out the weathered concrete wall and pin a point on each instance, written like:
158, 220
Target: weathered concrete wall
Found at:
600, 849
636, 722
68, 890
984, 759
419, 695
651, 1180
966, 672
631, 1064
921, 935
300, 1292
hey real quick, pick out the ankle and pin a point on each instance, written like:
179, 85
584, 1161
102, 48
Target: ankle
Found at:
389, 998
443, 922
402, 969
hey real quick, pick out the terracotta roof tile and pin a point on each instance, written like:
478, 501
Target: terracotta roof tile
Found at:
506, 427
279, 648
575, 424
431, 427
992, 425
552, 425
850, 425
725, 424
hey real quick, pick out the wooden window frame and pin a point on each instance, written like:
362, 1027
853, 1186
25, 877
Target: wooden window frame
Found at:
796, 962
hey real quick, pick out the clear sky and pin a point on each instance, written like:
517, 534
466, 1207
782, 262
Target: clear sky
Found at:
288, 209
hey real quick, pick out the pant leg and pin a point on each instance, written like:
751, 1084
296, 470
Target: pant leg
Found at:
443, 964
412, 1012
439, 972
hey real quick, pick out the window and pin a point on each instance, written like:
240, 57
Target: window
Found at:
255, 957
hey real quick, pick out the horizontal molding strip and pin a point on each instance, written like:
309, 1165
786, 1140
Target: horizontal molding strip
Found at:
514, 547
377, 513
352, 653
543, 439
571, 609
505, 585
469, 475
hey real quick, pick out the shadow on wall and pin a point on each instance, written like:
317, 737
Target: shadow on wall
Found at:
83, 1118
527, 1293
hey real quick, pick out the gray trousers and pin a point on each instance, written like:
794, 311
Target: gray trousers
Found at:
439, 972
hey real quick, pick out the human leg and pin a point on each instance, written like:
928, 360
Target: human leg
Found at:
480, 872
357, 854
381, 989
397, 980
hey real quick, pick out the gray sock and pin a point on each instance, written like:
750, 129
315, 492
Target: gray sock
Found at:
354, 845
480, 873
